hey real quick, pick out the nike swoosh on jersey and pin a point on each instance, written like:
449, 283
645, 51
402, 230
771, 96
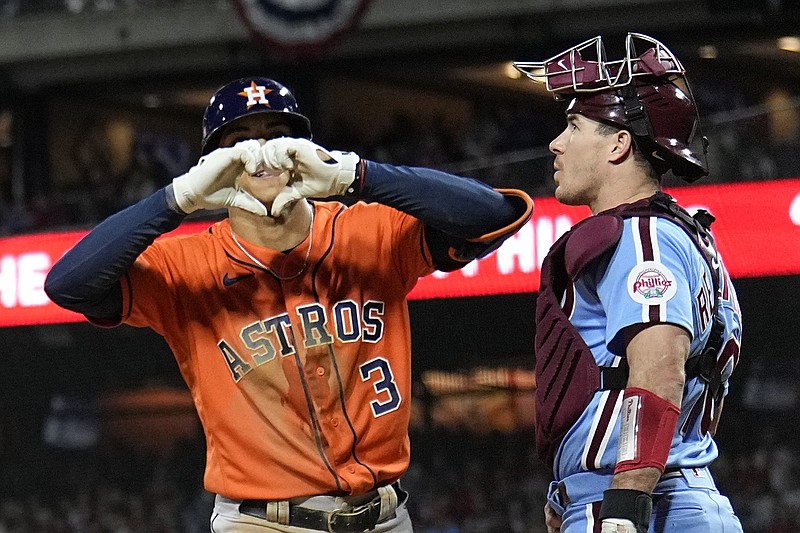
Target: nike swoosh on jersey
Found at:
228, 281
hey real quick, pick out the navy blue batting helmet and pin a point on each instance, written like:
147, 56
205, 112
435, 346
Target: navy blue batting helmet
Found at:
247, 96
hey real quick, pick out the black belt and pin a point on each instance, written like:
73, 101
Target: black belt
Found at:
357, 519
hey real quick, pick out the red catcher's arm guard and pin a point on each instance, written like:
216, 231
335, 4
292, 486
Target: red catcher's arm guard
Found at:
647, 425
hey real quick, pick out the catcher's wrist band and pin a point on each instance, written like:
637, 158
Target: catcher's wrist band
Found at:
647, 426
628, 504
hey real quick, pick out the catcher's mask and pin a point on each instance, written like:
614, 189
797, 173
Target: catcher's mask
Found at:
247, 96
645, 94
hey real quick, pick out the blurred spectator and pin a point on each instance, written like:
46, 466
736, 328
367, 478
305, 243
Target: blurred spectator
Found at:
495, 483
504, 145
8, 9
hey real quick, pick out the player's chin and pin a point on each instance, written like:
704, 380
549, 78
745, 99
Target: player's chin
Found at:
266, 199
563, 195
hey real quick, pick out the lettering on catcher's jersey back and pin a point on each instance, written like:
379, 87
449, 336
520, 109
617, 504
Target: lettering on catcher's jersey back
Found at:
704, 302
267, 338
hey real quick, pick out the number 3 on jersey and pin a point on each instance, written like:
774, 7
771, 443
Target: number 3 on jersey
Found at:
382, 383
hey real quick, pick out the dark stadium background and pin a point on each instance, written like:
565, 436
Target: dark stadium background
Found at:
98, 419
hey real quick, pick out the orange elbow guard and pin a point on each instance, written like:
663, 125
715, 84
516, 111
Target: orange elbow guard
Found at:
647, 425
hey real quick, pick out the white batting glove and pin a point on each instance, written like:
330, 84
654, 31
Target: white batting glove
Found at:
211, 184
617, 525
318, 172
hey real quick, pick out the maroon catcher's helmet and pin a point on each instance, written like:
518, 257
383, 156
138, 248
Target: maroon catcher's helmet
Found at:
646, 94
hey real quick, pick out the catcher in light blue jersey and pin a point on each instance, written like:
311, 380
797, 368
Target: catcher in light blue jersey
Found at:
638, 327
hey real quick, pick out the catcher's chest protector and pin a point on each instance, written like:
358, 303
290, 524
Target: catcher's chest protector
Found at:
567, 375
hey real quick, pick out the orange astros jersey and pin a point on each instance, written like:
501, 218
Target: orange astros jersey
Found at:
303, 386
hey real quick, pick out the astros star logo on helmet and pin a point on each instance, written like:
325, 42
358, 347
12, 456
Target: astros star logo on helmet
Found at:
256, 94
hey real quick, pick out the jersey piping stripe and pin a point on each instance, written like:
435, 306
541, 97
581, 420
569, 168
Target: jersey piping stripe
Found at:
312, 414
251, 265
658, 313
347, 418
330, 349
590, 511
589, 517
637, 245
594, 524
311, 410
602, 428
644, 231
325, 254
644, 237
246, 263
129, 287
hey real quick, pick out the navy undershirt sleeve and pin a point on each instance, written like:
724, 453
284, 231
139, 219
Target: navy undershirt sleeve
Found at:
458, 206
86, 278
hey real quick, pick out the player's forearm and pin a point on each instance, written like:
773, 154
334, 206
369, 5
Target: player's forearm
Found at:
86, 278
458, 206
643, 479
656, 358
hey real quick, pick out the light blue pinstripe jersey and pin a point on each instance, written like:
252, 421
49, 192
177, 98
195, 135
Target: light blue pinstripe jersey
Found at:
656, 274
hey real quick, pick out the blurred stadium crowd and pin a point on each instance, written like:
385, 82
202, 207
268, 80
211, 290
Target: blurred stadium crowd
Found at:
494, 484
504, 145
460, 481
89, 466
10, 9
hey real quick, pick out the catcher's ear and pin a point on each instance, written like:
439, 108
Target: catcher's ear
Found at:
620, 146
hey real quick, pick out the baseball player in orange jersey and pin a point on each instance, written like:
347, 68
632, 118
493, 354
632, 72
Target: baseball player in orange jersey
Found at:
289, 319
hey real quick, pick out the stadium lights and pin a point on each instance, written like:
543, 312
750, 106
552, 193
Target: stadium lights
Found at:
708, 51
511, 72
789, 43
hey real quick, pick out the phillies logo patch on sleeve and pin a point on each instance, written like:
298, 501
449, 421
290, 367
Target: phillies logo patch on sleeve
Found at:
651, 283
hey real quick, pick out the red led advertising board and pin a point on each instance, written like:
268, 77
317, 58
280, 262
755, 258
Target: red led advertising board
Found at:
757, 233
